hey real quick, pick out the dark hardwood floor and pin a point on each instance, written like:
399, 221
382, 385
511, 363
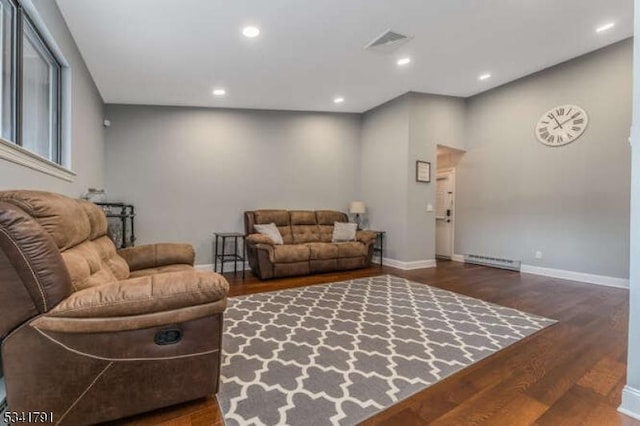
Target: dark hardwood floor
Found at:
571, 373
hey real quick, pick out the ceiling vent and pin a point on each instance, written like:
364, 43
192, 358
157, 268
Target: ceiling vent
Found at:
388, 42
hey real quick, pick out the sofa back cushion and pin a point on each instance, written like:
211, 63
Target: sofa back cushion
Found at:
297, 226
304, 226
78, 229
279, 217
325, 220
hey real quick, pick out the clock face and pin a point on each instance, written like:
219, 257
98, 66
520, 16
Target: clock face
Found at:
561, 125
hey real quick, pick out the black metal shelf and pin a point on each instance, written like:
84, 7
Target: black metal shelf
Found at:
121, 223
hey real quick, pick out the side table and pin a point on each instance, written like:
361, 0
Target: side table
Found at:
378, 246
225, 257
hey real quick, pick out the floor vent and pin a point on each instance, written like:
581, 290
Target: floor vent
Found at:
494, 262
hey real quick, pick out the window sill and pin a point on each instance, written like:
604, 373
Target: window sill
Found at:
15, 154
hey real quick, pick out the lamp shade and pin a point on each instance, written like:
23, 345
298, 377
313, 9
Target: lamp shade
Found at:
357, 207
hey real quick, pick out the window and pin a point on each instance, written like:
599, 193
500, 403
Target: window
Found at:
30, 103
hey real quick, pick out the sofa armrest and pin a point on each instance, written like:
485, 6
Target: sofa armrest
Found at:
366, 237
156, 255
144, 295
255, 239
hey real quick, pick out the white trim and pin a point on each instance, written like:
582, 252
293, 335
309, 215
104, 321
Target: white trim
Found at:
228, 267
34, 15
16, 154
408, 266
458, 258
630, 402
576, 276
405, 266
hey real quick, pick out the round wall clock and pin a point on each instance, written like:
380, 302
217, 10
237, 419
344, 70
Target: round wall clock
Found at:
561, 125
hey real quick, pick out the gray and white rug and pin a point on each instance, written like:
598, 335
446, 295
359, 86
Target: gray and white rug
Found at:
338, 353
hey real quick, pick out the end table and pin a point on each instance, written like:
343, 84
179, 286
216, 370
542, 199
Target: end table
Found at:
225, 257
378, 245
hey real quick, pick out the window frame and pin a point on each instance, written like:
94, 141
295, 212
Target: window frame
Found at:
31, 32
24, 25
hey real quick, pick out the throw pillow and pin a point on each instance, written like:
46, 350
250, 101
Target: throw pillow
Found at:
271, 231
344, 232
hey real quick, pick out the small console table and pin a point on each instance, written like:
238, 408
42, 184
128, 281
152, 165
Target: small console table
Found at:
120, 217
224, 257
378, 246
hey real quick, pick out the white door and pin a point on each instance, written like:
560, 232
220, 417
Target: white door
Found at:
444, 213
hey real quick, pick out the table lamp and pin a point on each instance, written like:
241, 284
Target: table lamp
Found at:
357, 208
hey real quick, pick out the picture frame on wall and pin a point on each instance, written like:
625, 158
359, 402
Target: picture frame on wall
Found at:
423, 171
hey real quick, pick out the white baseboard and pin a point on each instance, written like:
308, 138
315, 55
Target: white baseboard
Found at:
408, 266
457, 258
228, 267
630, 402
576, 276
405, 266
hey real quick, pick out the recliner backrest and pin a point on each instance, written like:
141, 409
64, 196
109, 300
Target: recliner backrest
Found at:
50, 245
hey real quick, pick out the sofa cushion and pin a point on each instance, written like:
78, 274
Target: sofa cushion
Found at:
63, 218
271, 231
291, 253
280, 218
326, 219
351, 249
161, 270
322, 251
94, 263
305, 234
302, 217
303, 226
344, 232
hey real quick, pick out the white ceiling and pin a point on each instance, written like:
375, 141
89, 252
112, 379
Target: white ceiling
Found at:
170, 52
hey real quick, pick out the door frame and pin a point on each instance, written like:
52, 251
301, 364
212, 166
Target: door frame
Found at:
452, 175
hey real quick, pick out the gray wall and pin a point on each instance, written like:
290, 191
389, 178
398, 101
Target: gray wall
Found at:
384, 154
394, 136
193, 171
87, 147
631, 394
516, 196
435, 120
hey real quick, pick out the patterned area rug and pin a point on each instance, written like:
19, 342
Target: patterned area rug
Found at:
338, 353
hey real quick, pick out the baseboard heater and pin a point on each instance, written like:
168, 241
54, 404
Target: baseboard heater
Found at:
494, 262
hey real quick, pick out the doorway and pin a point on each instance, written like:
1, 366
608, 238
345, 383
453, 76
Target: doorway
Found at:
445, 197
448, 159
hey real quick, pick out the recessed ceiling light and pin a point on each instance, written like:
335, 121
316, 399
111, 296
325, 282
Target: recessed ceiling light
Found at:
338, 100
251, 31
605, 27
219, 92
403, 61
484, 77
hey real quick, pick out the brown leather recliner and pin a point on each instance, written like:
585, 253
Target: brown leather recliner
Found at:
92, 334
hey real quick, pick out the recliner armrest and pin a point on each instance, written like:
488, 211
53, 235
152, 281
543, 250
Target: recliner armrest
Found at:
366, 237
255, 239
144, 295
155, 255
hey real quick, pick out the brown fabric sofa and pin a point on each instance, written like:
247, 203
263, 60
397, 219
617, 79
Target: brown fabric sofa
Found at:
307, 247
92, 334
